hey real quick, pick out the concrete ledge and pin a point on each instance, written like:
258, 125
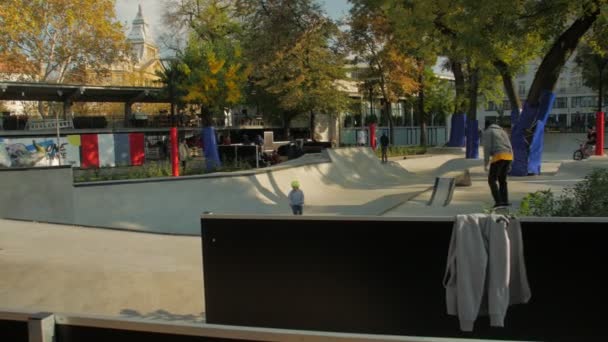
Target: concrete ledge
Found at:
149, 328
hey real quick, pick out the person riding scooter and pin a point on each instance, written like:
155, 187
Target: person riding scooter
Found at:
591, 140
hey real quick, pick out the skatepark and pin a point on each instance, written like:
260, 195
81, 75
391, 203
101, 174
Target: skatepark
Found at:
57, 254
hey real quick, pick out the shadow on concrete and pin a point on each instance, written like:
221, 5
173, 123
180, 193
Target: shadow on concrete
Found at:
164, 315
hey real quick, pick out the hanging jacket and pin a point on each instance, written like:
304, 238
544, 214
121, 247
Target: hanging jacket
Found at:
485, 260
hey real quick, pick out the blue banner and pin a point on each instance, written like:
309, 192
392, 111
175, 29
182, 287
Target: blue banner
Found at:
212, 157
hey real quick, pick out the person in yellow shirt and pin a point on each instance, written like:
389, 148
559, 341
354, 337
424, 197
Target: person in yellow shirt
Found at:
498, 156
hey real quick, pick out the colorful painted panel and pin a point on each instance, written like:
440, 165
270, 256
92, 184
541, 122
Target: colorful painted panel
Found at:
38, 152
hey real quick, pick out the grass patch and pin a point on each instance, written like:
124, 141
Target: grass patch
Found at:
152, 169
399, 151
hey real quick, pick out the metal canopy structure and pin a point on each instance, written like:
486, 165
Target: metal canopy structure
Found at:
19, 91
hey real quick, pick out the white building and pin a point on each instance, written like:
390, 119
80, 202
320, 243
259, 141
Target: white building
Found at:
575, 104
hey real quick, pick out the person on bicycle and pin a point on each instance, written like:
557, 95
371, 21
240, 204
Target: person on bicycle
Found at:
591, 139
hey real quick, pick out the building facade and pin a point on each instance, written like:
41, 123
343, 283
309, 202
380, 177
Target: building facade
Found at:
574, 107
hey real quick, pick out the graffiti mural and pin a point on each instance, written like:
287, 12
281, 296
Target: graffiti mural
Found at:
86, 150
37, 152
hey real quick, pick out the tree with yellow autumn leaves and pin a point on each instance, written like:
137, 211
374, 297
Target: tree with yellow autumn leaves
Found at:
50, 37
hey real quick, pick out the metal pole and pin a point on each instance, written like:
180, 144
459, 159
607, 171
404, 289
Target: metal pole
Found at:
58, 137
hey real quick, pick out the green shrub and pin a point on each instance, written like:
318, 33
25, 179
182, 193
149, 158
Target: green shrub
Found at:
397, 151
587, 198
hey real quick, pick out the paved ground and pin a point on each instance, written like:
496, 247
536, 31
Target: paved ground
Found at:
86, 270
97, 271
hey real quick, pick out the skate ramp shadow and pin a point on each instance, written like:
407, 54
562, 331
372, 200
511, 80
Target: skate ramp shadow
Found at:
164, 315
376, 207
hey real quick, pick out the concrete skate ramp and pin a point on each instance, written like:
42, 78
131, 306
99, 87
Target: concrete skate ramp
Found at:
580, 169
353, 183
342, 182
360, 165
560, 146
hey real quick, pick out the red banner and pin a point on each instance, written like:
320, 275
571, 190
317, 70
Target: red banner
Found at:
137, 150
90, 151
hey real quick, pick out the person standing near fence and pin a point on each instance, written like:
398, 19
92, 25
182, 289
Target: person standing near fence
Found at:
498, 153
384, 147
184, 153
296, 198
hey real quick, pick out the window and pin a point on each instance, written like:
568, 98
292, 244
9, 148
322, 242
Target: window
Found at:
397, 109
584, 101
491, 106
521, 88
576, 82
506, 105
561, 102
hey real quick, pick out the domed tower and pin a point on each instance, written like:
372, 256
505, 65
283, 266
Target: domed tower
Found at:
145, 51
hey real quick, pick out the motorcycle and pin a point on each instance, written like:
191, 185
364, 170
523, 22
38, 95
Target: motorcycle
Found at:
584, 151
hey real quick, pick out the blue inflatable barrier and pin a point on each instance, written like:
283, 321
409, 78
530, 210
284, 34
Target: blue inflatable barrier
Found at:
472, 143
457, 131
212, 157
527, 136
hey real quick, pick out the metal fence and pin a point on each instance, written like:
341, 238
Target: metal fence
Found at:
403, 136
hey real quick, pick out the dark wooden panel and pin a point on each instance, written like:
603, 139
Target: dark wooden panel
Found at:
384, 277
14, 331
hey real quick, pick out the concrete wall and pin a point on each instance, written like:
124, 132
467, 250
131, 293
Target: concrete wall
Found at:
37, 194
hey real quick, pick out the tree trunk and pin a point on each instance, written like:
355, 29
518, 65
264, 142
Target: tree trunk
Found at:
391, 123
527, 131
313, 119
459, 84
507, 81
473, 90
551, 66
472, 147
286, 124
421, 113
600, 97
205, 117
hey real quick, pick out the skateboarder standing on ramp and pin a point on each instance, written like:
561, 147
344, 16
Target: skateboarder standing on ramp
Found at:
384, 147
498, 153
296, 198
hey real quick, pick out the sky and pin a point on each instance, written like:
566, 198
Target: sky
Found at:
152, 9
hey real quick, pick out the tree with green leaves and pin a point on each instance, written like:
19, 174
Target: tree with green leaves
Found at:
592, 59
439, 97
172, 76
295, 56
213, 73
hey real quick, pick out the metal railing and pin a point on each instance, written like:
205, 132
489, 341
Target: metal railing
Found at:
403, 136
